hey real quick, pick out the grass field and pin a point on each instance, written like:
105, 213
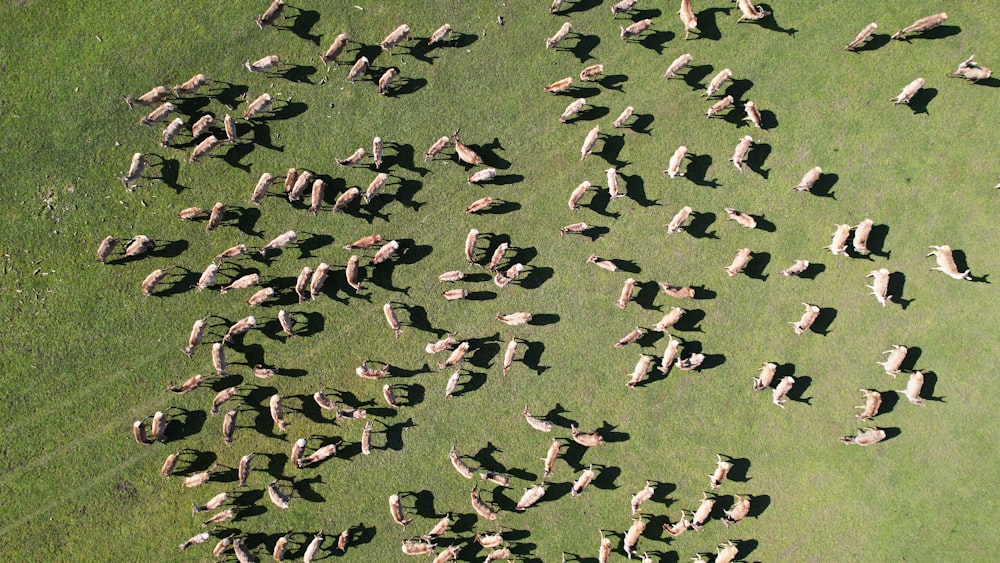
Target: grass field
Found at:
84, 354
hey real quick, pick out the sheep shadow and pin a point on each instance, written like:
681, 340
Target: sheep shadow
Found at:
589, 114
814, 269
180, 284
635, 189
689, 321
797, 391
695, 74
875, 42
298, 73
962, 264
822, 324
578, 6
605, 479
287, 110
655, 40
613, 145
613, 82
642, 123
918, 103
187, 423
608, 432
594, 233
738, 472
771, 23
406, 86
580, 92
697, 169
483, 350
537, 275
646, 295
394, 434
939, 32
314, 242
768, 120
170, 170
707, 26
247, 220
738, 87
232, 95
170, 249
490, 157
824, 185
417, 318
764, 225
585, 45
532, 358
700, 222
930, 385
755, 160
599, 204
897, 281
303, 24
755, 267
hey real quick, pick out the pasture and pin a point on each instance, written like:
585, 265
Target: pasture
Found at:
84, 354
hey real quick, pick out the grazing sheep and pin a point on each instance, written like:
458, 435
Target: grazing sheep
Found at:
355, 157
194, 540
465, 154
215, 217
360, 67
152, 280
865, 437
636, 29
739, 262
623, 117
642, 496
574, 198
243, 472
277, 498
588, 439
135, 169
470, 246
797, 268
481, 507
626, 293
260, 104
322, 454
946, 262
677, 223
316, 196
741, 152
353, 272
515, 319
191, 86
575, 228
335, 50
727, 553
364, 242
894, 362
559, 36
678, 527
535, 422
270, 15
721, 471
277, 412
139, 433
229, 426
390, 318
861, 36
171, 131
508, 359
239, 327
292, 180
201, 126
971, 71
604, 553
212, 504
196, 480
674, 167
873, 400
622, 7
550, 458
279, 548
591, 72
219, 359
260, 296
669, 320
639, 372
560, 85
323, 401
880, 285
809, 316
318, 279
838, 241
186, 387
482, 176
922, 25
809, 180
105, 249
376, 157
703, 512
908, 92
154, 96
435, 148
456, 355
243, 554
629, 338
719, 106
260, 189
632, 536
499, 479
395, 37
530, 497
669, 355
753, 114
572, 109
688, 18
169, 464
386, 252
676, 66
602, 263
741, 218
221, 397
440, 34
749, 12
389, 396
612, 176
781, 390
203, 148
913, 387
861, 234
739, 511
677, 292
138, 246
767, 372
717, 81
313, 548
589, 142
692, 362
463, 468
386, 80
451, 276
160, 113
440, 528
454, 294
231, 252
344, 199
281, 241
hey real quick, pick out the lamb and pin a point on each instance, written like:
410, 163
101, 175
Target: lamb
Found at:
782, 389
395, 37
229, 426
623, 117
386, 252
535, 422
231, 252
922, 25
482, 176
574, 198
530, 497
767, 372
135, 169
688, 18
632, 536
741, 218
589, 142
717, 81
335, 50
572, 109
971, 71
386, 80
873, 400
894, 362
880, 285
239, 327
865, 437
719, 106
440, 34
203, 148
319, 276
260, 104
739, 262
674, 167
861, 234
376, 157
364, 242
908, 92
636, 29
360, 67
152, 280
861, 36
739, 511
838, 242
514, 319
750, 12
676, 66
669, 320
559, 85
271, 14
626, 293
753, 114
741, 152
612, 176
191, 86
913, 387
262, 65
559, 36
702, 513
809, 180
435, 148
639, 373
171, 131
629, 338
946, 262
669, 355
797, 268
809, 316
159, 114
550, 458
591, 72
677, 223
138, 246
154, 96
575, 228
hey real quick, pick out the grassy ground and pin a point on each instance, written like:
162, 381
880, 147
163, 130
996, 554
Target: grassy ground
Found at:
84, 354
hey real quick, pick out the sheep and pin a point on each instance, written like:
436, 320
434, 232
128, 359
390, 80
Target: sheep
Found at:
559, 85
880, 285
591, 72
636, 29
152, 280
692, 362
229, 426
105, 249
669, 355
440, 345
640, 497
626, 293
750, 12
139, 433
740, 152
873, 400
575, 228
212, 504
281, 241
440, 34
322, 454
135, 169
676, 66
260, 297
171, 131
908, 92
622, 7
604, 553
160, 113
239, 327
589, 142
215, 217
719, 106
717, 81
243, 472
797, 268
572, 109
535, 422
169, 464
739, 262
913, 387
194, 540
550, 458
481, 507
838, 241
741, 218
861, 36
440, 528
435, 148
639, 373
221, 397
360, 67
574, 197
262, 65
739, 511
669, 320
298, 188
556, 39
139, 245
482, 176
454, 294
316, 196
386, 80
865, 437
231, 252
196, 480
279, 548
530, 497
703, 512
277, 498
629, 338
366, 438
323, 401
376, 156
753, 114
456, 356
587, 439
190, 384
262, 372
270, 15
767, 372
203, 148
371, 373
508, 358
674, 167
809, 180
260, 189
676, 224
219, 359
463, 468
230, 126
612, 176
201, 126
355, 157
514, 319
298, 447
721, 470
894, 362
602, 263
678, 527
243, 554
727, 553
922, 25
946, 262
313, 547
971, 71
497, 478
861, 234
395, 37
335, 50
260, 104
154, 96
809, 316
277, 412
319, 276
364, 242
386, 252
632, 536
353, 272
291, 179
623, 117
781, 390
389, 396
676, 292
489, 541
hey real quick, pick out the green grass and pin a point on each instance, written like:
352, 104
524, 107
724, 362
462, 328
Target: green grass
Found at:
84, 354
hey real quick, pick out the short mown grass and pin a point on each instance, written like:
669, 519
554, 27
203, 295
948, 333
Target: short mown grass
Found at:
84, 354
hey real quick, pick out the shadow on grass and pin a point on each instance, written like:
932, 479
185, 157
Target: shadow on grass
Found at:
700, 222
919, 102
797, 391
939, 32
697, 169
533, 357
655, 40
897, 282
771, 23
707, 25
585, 45
764, 225
646, 295
578, 6
756, 266
635, 189
302, 25
826, 317
814, 269
758, 155
613, 145
695, 74
613, 82
824, 185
